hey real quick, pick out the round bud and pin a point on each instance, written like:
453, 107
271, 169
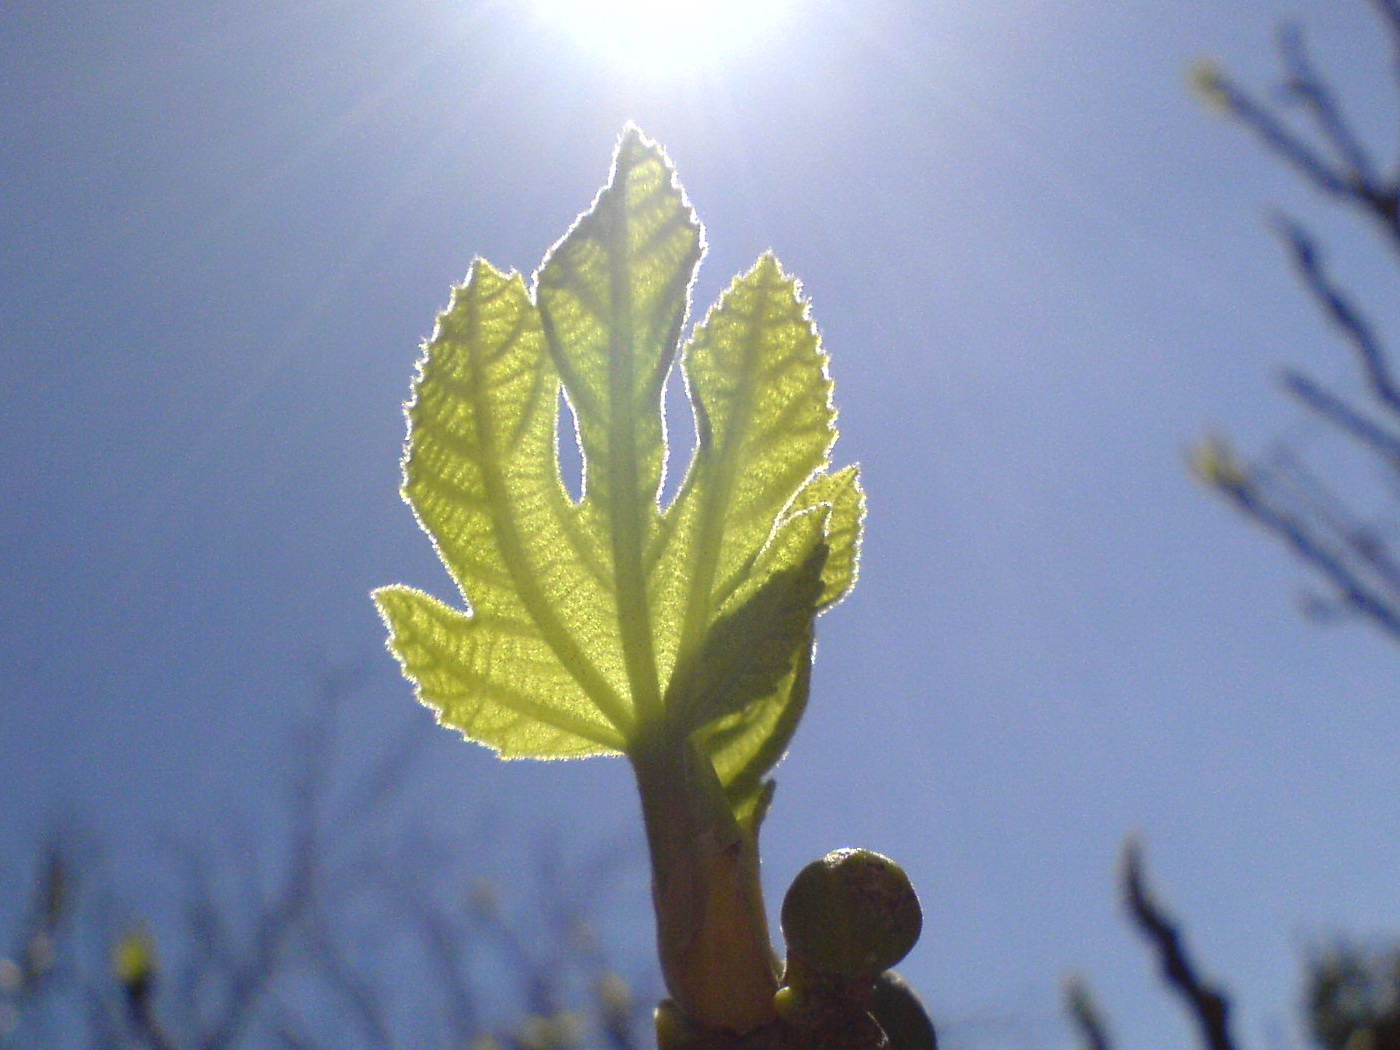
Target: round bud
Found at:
897, 1009
852, 914
673, 1031
788, 1004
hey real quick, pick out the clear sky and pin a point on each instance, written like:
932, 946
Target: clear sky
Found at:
1041, 270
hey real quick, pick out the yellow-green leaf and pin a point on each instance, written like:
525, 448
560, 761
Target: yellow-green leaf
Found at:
750, 649
589, 628
745, 746
496, 683
842, 492
613, 294
745, 743
481, 474
757, 378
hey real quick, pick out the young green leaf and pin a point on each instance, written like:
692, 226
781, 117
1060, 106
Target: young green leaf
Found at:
683, 636
613, 295
751, 649
596, 626
527, 672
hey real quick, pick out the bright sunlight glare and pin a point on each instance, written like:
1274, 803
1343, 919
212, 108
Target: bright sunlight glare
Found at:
660, 37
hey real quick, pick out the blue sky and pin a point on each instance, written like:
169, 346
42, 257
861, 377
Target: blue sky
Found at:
1041, 270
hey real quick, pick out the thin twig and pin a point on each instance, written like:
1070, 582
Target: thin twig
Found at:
1085, 1016
1312, 551
1282, 141
1389, 12
359, 994
1207, 1005
1317, 97
1340, 413
1342, 313
1356, 542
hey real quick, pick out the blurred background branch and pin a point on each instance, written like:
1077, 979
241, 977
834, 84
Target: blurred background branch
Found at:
1329, 525
340, 930
1322, 507
1207, 1005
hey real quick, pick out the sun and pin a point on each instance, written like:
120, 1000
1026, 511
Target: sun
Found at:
662, 37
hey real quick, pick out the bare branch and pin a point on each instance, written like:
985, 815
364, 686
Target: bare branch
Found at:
1085, 1016
1207, 1005
358, 992
1316, 96
1389, 12
282, 935
144, 1022
1342, 313
443, 944
1359, 543
1344, 416
1280, 139
1314, 552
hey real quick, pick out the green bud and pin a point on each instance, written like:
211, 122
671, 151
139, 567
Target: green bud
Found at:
134, 963
853, 914
1209, 83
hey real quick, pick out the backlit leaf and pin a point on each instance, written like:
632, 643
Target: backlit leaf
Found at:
589, 627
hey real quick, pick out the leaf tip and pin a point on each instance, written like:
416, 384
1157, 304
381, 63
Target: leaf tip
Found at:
769, 262
632, 136
387, 601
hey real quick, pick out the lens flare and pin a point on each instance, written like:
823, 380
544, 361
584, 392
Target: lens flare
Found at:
666, 36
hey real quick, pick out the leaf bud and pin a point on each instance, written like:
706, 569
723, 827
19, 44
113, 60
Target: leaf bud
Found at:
1209, 83
853, 914
1215, 465
134, 963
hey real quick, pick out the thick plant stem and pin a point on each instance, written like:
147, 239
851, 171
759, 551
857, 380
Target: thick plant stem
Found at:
711, 927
